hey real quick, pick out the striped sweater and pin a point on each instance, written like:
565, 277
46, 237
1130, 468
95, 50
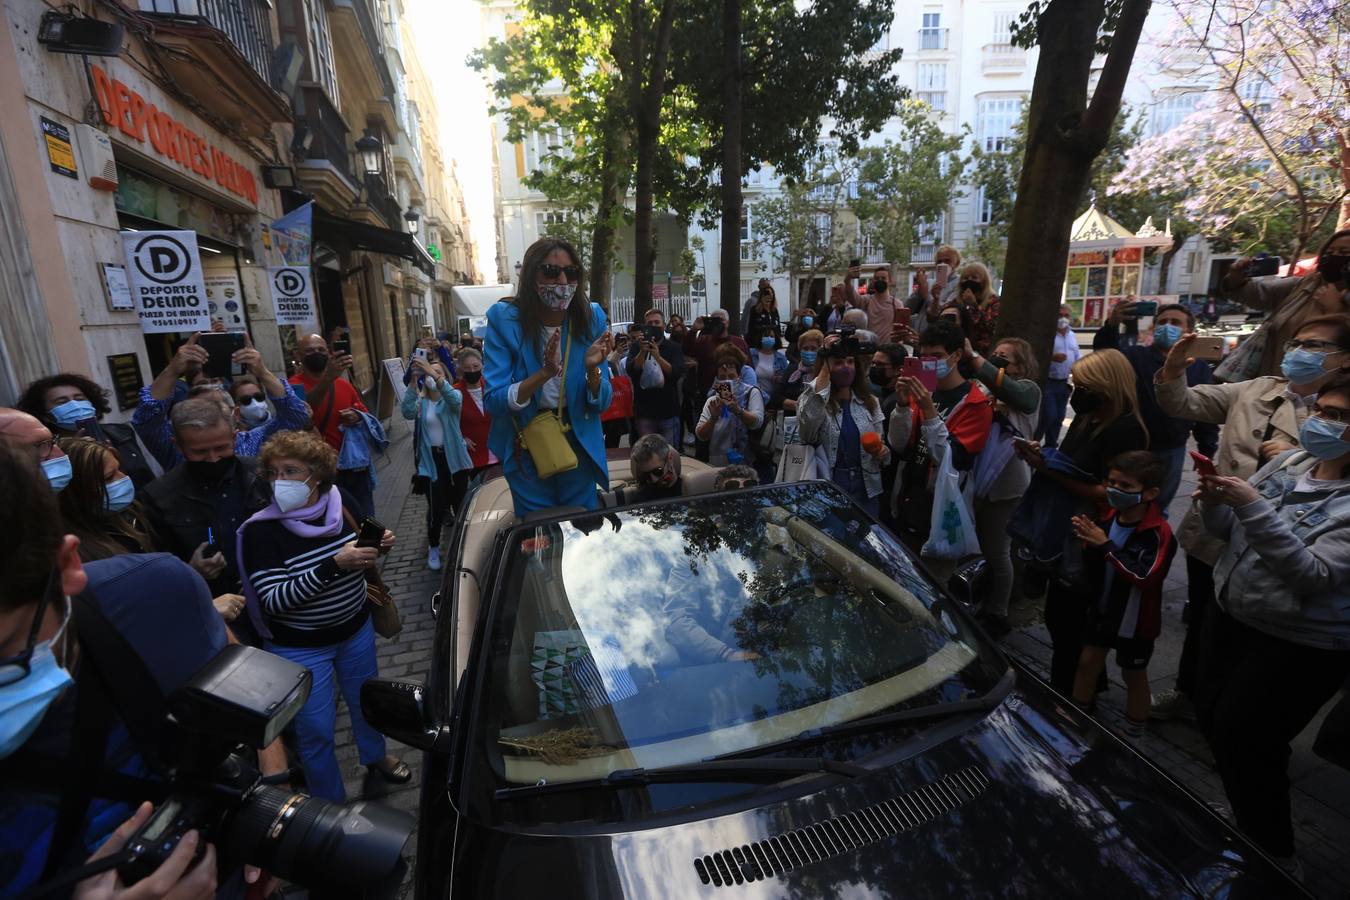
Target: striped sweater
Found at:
307, 599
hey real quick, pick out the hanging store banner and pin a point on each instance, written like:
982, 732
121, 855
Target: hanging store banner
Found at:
292, 295
165, 273
292, 237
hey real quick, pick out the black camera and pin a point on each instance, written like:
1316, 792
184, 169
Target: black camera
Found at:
849, 344
714, 326
242, 699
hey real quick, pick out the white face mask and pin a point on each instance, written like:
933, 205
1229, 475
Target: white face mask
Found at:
255, 412
557, 296
1063, 323
290, 494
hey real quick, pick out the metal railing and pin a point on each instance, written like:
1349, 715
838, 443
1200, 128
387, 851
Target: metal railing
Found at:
244, 22
621, 308
932, 38
329, 132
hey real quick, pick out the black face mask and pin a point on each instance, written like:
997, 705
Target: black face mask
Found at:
1085, 402
973, 286
211, 471
879, 286
879, 379
1333, 268
315, 362
473, 377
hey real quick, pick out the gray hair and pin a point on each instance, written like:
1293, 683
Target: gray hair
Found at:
720, 314
739, 472
198, 412
654, 446
468, 353
856, 317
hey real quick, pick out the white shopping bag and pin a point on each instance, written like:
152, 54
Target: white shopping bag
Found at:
798, 463
952, 532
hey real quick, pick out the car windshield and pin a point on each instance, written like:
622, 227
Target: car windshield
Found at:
659, 636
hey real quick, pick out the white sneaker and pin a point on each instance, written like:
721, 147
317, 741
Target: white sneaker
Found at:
434, 559
1172, 704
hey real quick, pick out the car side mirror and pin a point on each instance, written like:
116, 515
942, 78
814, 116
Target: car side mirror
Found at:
398, 709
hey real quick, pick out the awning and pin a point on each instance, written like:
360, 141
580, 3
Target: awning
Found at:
362, 236
474, 300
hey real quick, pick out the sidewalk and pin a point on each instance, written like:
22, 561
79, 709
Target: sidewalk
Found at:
1319, 791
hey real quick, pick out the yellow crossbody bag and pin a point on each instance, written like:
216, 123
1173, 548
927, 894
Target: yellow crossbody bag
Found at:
545, 437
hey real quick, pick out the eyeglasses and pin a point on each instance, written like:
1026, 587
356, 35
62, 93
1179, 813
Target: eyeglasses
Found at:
44, 448
735, 484
15, 668
1316, 346
550, 270
1331, 414
288, 473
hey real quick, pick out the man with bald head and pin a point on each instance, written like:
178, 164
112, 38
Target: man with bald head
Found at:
335, 402
21, 430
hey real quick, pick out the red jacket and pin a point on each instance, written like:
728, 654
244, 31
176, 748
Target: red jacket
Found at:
474, 424
967, 427
1140, 568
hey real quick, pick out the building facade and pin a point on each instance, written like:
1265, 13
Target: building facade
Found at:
217, 117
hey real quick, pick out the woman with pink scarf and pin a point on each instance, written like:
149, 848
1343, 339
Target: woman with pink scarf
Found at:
305, 580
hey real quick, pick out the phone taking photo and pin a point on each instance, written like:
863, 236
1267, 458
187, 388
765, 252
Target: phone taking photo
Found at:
372, 532
220, 348
1204, 465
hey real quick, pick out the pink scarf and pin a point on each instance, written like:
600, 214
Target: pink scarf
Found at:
328, 509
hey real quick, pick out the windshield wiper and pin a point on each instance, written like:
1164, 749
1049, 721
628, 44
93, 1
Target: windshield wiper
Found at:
913, 716
767, 770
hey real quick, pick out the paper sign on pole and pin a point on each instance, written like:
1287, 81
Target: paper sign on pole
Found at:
165, 271
291, 294
393, 368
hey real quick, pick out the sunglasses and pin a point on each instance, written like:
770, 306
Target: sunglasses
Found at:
734, 484
551, 270
652, 476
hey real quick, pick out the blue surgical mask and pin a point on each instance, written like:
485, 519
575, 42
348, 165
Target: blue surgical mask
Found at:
71, 413
808, 321
944, 368
1303, 366
57, 470
1123, 499
290, 494
119, 493
1164, 336
768, 343
808, 358
1323, 438
25, 702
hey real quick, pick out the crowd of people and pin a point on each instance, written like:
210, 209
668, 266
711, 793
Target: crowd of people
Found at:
249, 496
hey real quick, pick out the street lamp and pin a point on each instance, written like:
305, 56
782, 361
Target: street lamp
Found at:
411, 217
369, 147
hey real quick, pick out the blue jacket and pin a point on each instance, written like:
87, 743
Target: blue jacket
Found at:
509, 357
1041, 521
360, 444
447, 410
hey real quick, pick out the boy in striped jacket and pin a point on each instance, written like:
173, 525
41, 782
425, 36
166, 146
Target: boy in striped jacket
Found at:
1126, 557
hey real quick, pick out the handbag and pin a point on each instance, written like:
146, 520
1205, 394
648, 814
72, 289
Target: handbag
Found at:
383, 609
545, 436
621, 403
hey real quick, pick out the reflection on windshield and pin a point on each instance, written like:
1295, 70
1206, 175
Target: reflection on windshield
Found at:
664, 635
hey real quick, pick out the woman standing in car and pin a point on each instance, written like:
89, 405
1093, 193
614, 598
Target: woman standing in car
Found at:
545, 353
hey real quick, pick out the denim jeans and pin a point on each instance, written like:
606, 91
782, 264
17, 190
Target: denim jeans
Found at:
1176, 464
352, 662
1053, 406
357, 483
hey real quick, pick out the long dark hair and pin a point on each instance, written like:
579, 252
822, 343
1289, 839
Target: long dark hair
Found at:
527, 301
101, 534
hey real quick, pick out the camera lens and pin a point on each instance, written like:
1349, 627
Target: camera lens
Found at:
323, 845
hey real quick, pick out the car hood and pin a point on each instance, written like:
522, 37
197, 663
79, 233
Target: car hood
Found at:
1034, 801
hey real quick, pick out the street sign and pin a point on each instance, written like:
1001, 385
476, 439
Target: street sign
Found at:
165, 271
660, 291
291, 294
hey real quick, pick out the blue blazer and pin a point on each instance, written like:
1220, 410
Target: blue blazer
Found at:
447, 411
509, 357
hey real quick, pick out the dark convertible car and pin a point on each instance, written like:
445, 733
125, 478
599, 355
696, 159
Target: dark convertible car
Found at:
761, 694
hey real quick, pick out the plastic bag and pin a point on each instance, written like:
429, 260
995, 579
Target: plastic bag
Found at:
952, 532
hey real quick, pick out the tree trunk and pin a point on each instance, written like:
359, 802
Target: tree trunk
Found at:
1065, 133
730, 291
647, 115
602, 237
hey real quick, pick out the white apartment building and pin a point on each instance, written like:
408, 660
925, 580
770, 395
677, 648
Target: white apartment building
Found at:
959, 58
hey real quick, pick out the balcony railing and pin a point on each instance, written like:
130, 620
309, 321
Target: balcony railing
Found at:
1003, 58
749, 252
329, 132
244, 22
932, 38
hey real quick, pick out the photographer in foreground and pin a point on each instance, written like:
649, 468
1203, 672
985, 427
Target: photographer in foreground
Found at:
69, 771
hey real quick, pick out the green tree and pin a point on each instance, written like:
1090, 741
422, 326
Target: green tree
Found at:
761, 78
903, 184
1065, 133
808, 224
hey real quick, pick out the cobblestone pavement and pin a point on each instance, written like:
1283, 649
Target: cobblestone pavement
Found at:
1320, 791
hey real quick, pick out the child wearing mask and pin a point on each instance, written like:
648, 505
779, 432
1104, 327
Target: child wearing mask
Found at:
1126, 556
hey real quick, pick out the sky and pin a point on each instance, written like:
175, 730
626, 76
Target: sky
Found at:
447, 31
